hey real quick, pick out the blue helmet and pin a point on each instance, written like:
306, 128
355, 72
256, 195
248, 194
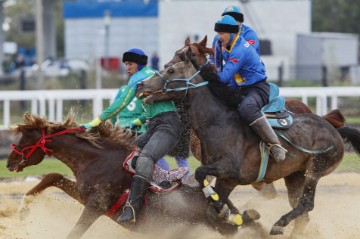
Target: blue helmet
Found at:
226, 24
234, 12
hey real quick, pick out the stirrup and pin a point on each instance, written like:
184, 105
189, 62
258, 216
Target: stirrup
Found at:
132, 209
278, 146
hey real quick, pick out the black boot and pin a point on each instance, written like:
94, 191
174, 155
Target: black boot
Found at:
138, 191
262, 127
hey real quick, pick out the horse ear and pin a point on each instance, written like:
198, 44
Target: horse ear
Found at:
187, 41
203, 41
188, 55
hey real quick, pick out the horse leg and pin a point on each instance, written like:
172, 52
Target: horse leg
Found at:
295, 184
224, 188
52, 179
266, 190
87, 218
304, 205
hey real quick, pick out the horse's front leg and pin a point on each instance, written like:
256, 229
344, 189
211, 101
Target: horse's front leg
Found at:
87, 218
50, 180
224, 189
218, 197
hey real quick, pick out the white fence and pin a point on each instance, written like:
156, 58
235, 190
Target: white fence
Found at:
49, 103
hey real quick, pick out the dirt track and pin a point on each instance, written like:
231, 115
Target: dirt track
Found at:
336, 214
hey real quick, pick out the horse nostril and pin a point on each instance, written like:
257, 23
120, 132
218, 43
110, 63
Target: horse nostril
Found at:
8, 165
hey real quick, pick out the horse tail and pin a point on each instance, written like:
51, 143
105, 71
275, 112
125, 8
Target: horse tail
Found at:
335, 118
351, 136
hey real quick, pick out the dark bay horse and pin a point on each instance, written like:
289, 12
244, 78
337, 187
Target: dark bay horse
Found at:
199, 53
230, 148
96, 159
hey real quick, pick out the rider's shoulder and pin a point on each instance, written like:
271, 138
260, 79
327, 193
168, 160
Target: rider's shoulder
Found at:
144, 73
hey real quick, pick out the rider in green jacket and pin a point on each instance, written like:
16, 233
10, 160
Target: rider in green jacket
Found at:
162, 134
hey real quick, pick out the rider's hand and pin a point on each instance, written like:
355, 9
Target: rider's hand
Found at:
94, 123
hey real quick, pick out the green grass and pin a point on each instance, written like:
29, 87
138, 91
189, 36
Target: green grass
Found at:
351, 163
48, 165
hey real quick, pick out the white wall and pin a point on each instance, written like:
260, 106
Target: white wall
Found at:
276, 20
85, 38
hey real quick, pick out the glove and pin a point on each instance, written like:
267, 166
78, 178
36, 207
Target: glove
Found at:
95, 122
135, 125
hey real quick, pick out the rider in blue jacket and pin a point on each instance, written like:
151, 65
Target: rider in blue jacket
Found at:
245, 31
244, 70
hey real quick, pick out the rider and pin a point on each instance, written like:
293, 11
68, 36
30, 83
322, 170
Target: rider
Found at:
245, 31
162, 134
244, 71
134, 110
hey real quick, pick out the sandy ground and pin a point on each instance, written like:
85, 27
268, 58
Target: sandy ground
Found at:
336, 214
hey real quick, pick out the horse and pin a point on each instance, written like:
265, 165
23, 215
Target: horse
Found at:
199, 58
96, 159
230, 148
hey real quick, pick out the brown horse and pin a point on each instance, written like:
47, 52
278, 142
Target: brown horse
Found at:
96, 159
199, 58
230, 148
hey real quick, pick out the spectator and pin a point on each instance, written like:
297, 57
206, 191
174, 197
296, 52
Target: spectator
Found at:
155, 61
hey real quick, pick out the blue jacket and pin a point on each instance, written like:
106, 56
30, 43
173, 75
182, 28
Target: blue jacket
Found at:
248, 34
243, 66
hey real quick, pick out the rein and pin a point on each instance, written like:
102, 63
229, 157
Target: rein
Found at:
41, 144
188, 83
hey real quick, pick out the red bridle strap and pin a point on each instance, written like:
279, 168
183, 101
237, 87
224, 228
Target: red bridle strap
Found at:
41, 143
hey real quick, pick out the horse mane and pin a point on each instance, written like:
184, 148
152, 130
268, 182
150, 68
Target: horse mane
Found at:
226, 95
95, 137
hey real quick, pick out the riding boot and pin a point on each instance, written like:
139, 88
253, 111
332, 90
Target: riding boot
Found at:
139, 187
262, 127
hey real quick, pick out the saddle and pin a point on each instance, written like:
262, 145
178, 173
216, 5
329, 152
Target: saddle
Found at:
163, 180
275, 111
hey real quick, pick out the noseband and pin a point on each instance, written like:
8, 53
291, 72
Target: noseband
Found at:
187, 81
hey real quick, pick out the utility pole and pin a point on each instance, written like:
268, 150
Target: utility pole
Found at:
107, 20
39, 42
2, 39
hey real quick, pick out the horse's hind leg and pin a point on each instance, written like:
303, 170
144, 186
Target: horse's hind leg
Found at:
295, 184
304, 204
52, 179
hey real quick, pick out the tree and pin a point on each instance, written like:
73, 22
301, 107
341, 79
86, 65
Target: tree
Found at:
336, 16
17, 10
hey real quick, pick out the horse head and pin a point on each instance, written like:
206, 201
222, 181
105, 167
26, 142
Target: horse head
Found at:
199, 52
172, 83
28, 150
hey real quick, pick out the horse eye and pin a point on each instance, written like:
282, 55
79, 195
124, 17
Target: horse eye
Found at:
171, 71
193, 54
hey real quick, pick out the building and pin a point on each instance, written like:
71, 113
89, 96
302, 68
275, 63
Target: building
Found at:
162, 26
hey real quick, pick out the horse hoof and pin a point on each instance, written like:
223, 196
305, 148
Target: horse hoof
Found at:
250, 216
277, 230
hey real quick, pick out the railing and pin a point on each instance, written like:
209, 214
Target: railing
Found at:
49, 103
321, 94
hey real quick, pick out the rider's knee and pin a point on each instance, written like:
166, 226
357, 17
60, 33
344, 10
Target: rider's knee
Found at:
145, 167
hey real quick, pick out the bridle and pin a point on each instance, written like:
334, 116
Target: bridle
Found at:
40, 144
187, 81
